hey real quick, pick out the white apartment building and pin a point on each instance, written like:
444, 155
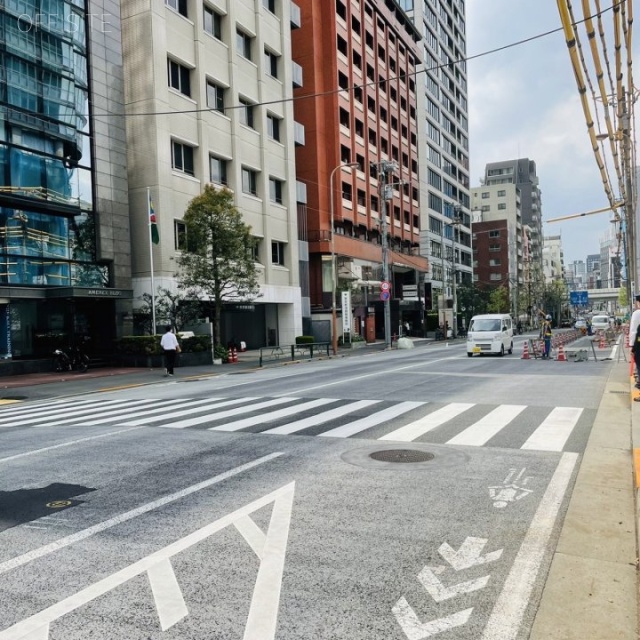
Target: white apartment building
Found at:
553, 259
215, 82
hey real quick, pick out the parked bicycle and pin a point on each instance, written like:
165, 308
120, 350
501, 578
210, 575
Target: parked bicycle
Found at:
75, 360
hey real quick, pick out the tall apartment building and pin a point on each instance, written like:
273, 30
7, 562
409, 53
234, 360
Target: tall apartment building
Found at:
498, 241
522, 173
64, 225
215, 82
553, 263
358, 105
444, 142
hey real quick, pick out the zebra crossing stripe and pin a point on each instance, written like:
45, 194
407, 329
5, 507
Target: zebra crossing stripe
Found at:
374, 419
117, 413
215, 403
41, 406
554, 431
272, 415
415, 429
183, 424
48, 415
482, 431
319, 418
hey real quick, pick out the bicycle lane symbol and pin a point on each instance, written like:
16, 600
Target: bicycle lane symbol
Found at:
270, 547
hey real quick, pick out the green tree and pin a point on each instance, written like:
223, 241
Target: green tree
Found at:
218, 264
498, 300
174, 308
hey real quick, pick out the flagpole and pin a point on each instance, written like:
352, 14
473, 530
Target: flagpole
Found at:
153, 286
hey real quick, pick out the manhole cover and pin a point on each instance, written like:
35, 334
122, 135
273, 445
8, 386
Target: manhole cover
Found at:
402, 455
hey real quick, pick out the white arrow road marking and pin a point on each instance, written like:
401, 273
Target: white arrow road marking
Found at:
439, 592
263, 611
468, 555
416, 630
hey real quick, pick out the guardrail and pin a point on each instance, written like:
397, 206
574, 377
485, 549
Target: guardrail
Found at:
294, 351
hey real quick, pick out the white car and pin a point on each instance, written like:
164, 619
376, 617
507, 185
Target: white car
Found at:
600, 323
580, 324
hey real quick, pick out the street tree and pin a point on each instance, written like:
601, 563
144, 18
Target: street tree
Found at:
498, 300
172, 307
218, 263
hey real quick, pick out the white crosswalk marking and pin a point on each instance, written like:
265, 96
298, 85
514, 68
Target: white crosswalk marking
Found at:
373, 420
482, 431
319, 418
192, 422
554, 431
272, 415
414, 430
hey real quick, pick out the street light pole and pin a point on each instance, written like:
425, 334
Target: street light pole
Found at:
386, 193
456, 222
334, 283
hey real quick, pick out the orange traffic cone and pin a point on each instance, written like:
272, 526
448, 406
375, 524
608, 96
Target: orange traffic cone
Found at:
525, 352
601, 344
561, 354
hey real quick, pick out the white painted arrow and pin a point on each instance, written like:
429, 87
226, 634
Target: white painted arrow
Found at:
468, 555
439, 592
416, 630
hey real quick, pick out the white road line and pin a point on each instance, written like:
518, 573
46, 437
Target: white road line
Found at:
273, 415
45, 550
414, 430
43, 404
482, 431
373, 420
46, 414
215, 403
553, 432
506, 617
113, 412
159, 407
65, 444
183, 424
319, 418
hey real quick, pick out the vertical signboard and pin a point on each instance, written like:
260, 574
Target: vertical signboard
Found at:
346, 311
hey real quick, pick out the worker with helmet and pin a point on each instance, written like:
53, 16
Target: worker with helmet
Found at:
546, 334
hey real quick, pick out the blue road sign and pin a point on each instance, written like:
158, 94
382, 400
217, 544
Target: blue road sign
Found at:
579, 297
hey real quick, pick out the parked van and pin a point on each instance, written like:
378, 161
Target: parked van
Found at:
490, 333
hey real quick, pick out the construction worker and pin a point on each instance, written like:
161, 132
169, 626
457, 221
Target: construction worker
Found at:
546, 335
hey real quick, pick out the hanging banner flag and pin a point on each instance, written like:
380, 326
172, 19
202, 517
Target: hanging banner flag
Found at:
155, 237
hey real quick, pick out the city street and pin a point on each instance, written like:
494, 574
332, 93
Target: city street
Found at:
396, 495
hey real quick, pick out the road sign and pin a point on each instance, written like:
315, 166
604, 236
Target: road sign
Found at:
579, 297
385, 285
384, 295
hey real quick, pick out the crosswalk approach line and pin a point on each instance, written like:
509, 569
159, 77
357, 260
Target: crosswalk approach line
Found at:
419, 427
350, 429
319, 418
192, 422
213, 404
555, 429
49, 406
479, 433
272, 415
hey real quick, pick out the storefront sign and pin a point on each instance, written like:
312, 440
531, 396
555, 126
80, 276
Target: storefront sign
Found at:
106, 293
346, 311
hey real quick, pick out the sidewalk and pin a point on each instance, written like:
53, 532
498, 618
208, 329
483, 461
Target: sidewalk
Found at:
591, 592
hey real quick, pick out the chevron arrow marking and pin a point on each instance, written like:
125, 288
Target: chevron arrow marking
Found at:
468, 555
439, 592
416, 630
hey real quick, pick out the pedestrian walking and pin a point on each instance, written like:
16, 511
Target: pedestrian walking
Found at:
171, 348
546, 334
634, 325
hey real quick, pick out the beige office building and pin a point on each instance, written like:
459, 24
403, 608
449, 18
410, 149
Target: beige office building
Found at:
212, 82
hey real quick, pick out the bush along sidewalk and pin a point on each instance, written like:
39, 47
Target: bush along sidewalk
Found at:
145, 351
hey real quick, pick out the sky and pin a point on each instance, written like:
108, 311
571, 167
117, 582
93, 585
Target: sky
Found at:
524, 103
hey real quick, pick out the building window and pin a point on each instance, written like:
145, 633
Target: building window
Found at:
273, 127
179, 77
215, 96
502, 193
271, 63
212, 23
178, 5
495, 262
269, 5
277, 253
180, 235
246, 113
494, 247
182, 157
485, 195
494, 234
250, 182
495, 276
502, 205
243, 44
218, 170
275, 190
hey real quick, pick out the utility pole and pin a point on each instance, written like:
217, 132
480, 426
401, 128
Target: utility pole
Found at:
457, 221
386, 194
628, 205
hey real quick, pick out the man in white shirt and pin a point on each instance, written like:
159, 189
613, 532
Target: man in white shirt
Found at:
633, 329
170, 346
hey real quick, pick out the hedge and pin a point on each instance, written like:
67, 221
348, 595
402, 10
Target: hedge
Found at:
150, 345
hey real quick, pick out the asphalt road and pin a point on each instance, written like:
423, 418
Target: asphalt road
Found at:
249, 506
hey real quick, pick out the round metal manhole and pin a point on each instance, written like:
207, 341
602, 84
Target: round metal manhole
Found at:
402, 455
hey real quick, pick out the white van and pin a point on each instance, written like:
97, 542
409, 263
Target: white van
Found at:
490, 333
